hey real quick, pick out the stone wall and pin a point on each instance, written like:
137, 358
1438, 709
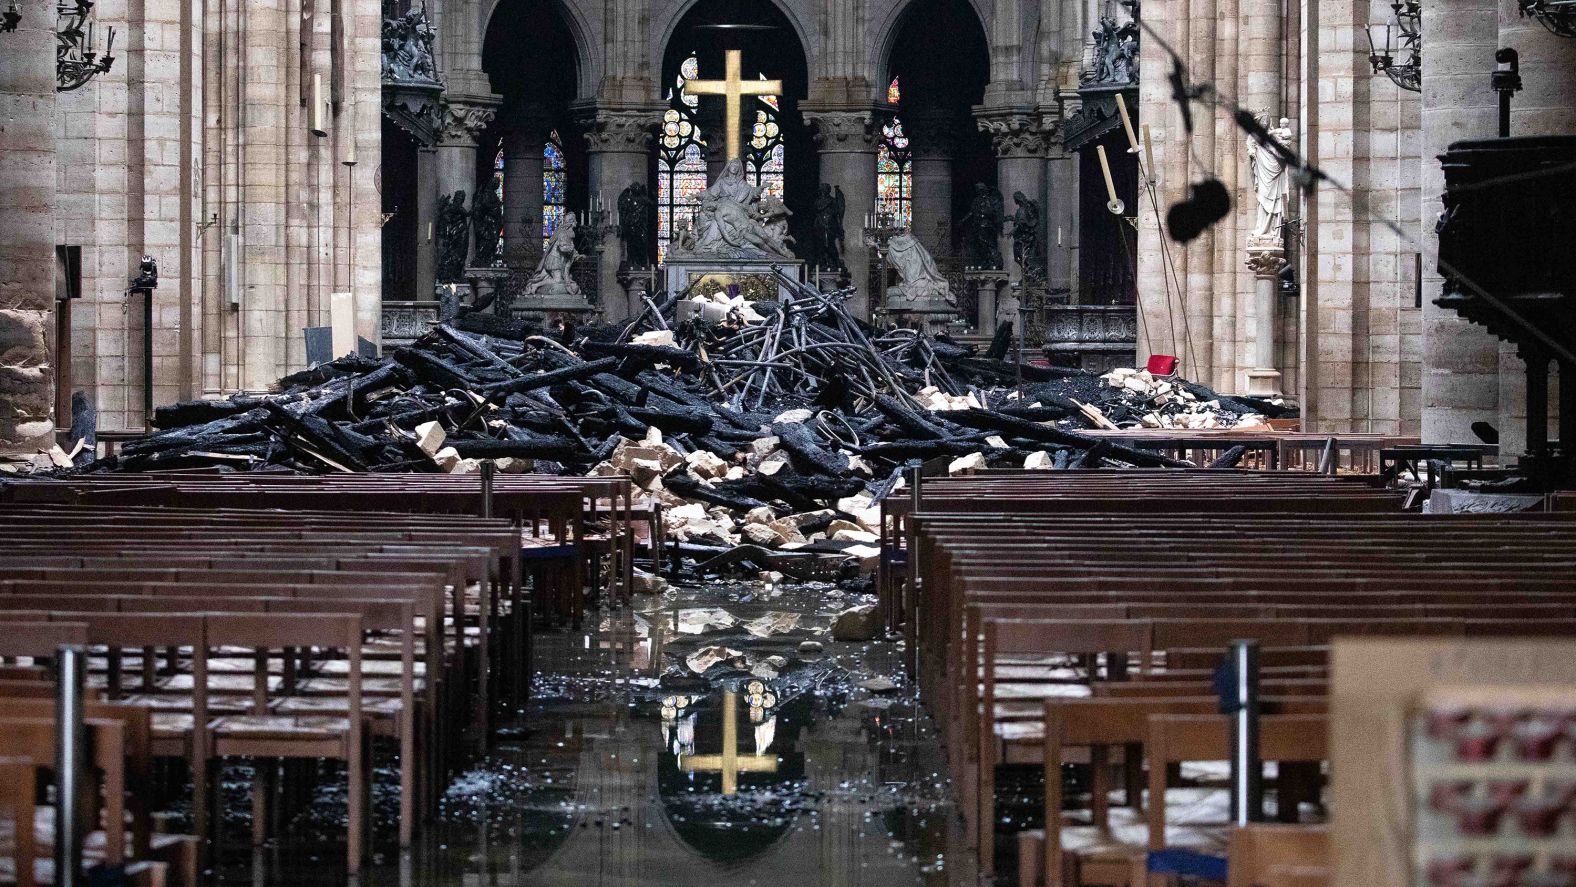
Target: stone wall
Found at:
27, 259
195, 144
1349, 349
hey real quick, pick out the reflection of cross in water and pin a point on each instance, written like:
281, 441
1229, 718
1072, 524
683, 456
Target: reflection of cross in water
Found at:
730, 763
733, 88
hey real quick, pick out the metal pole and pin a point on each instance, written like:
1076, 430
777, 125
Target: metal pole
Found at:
70, 743
1018, 331
1247, 771
489, 468
147, 357
916, 476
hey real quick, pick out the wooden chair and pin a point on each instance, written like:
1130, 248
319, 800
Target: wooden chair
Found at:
262, 735
1256, 851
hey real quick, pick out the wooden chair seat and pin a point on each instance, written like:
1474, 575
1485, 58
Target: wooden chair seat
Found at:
229, 684
381, 668
337, 686
167, 703
372, 707
262, 728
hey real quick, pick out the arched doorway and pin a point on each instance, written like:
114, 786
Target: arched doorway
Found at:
532, 155
776, 146
932, 153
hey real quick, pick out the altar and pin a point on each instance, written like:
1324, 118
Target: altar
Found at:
756, 279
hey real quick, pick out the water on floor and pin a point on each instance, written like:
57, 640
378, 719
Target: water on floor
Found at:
708, 735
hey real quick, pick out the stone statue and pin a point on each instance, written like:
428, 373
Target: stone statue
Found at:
1115, 54
635, 209
1026, 236
1270, 180
829, 209
552, 273
919, 280
407, 47
487, 226
454, 237
728, 223
774, 216
982, 227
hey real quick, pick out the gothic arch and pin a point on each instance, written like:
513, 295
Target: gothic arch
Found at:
666, 15
892, 20
577, 17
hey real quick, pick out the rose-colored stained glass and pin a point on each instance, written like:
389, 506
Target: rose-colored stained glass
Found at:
894, 92
894, 173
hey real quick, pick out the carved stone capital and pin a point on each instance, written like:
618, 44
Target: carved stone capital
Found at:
845, 131
464, 122
621, 131
1266, 256
1015, 133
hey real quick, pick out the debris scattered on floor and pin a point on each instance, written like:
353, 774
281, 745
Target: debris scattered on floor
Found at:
772, 425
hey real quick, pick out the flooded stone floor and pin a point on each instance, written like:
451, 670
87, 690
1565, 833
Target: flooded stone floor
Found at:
629, 768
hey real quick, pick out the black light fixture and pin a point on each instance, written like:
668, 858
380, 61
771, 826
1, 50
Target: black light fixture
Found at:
10, 18
76, 62
1395, 48
1559, 16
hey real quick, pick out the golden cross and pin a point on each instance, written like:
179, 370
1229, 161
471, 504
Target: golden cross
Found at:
733, 88
729, 763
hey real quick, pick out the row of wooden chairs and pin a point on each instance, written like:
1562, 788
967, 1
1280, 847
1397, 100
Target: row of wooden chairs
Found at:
1062, 617
278, 618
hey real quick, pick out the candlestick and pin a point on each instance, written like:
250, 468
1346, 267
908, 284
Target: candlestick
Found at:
1115, 205
1127, 124
1149, 156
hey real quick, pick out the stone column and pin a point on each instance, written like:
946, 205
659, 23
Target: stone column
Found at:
1265, 262
1061, 219
1460, 359
523, 142
620, 142
933, 142
27, 228
426, 222
847, 139
1020, 146
464, 120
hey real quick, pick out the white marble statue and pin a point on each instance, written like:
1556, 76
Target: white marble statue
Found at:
1270, 181
729, 222
919, 280
552, 274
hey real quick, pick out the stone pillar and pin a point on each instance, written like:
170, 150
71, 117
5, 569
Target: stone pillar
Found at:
464, 120
426, 222
1020, 145
1460, 359
933, 142
1061, 220
1264, 380
620, 143
27, 228
523, 143
847, 139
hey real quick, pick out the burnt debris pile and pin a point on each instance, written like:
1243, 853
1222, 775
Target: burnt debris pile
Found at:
765, 423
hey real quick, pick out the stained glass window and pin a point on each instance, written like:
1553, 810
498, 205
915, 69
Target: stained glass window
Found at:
764, 165
681, 161
555, 183
894, 169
